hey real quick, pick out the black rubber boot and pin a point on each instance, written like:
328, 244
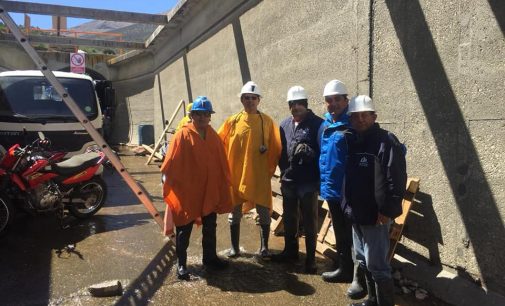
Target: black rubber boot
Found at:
310, 244
290, 252
310, 260
372, 295
210, 258
357, 289
310, 265
344, 272
181, 245
264, 234
385, 292
235, 238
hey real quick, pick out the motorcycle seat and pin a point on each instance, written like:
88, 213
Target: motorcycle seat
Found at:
76, 163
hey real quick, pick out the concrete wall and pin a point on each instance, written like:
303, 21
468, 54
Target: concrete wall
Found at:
277, 51
13, 57
438, 79
134, 107
436, 72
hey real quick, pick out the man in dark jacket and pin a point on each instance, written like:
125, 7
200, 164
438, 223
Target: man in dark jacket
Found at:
300, 177
374, 187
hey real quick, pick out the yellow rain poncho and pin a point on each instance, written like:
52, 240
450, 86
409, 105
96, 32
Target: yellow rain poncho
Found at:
251, 171
186, 118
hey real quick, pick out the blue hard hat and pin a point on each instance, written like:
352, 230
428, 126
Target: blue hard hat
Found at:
202, 103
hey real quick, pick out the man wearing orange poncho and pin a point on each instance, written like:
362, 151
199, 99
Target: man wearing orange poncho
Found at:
196, 187
252, 143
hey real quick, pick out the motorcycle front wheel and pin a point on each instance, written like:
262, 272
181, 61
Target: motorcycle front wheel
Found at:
6, 213
88, 198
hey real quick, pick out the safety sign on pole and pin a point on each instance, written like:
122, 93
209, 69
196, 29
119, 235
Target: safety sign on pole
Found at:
77, 63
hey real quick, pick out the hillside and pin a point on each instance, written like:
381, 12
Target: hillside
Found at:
100, 26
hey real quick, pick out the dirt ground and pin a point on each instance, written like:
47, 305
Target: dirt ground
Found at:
42, 264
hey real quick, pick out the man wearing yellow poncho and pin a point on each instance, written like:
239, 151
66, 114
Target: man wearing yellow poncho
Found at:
252, 144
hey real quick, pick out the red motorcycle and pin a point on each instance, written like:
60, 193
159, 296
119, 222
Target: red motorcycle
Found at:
38, 181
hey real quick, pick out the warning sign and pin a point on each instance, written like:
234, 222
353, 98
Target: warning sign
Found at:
77, 63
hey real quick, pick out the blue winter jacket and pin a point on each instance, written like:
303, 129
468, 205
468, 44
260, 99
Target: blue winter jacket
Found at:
332, 160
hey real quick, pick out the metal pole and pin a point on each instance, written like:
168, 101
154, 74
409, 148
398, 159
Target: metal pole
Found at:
69, 101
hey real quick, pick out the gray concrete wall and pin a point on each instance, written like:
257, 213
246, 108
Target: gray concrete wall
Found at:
170, 86
134, 107
438, 82
436, 73
13, 57
277, 51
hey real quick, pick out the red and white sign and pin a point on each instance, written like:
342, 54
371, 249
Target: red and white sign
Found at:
77, 63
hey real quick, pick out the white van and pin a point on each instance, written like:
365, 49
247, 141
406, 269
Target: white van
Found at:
29, 104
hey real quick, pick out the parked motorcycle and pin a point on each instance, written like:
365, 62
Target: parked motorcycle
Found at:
37, 180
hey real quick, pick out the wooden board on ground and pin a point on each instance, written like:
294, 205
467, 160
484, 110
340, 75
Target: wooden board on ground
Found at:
326, 238
154, 152
151, 150
323, 232
277, 226
395, 232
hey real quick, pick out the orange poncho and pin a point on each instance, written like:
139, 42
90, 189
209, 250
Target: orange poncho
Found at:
197, 176
251, 171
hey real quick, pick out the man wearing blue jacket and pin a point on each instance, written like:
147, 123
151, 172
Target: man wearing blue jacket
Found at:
332, 163
299, 177
374, 186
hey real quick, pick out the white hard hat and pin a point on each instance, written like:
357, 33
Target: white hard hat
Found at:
334, 87
296, 93
250, 87
361, 103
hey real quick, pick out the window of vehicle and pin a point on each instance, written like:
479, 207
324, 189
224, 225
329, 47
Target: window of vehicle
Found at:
35, 97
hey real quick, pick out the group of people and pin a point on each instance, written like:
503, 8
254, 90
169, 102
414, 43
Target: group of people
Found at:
344, 157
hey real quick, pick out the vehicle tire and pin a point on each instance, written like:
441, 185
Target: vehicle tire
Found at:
6, 213
88, 198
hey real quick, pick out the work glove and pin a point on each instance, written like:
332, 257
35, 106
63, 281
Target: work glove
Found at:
303, 154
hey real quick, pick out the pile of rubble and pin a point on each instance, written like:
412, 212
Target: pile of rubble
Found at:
404, 285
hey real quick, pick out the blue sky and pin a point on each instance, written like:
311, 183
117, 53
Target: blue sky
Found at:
139, 6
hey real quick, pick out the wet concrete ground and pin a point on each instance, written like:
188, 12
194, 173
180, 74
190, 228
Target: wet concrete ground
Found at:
42, 264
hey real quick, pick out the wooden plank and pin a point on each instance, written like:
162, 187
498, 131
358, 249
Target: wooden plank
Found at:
276, 187
151, 150
277, 205
330, 238
326, 250
157, 146
72, 41
277, 226
326, 242
396, 229
324, 228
